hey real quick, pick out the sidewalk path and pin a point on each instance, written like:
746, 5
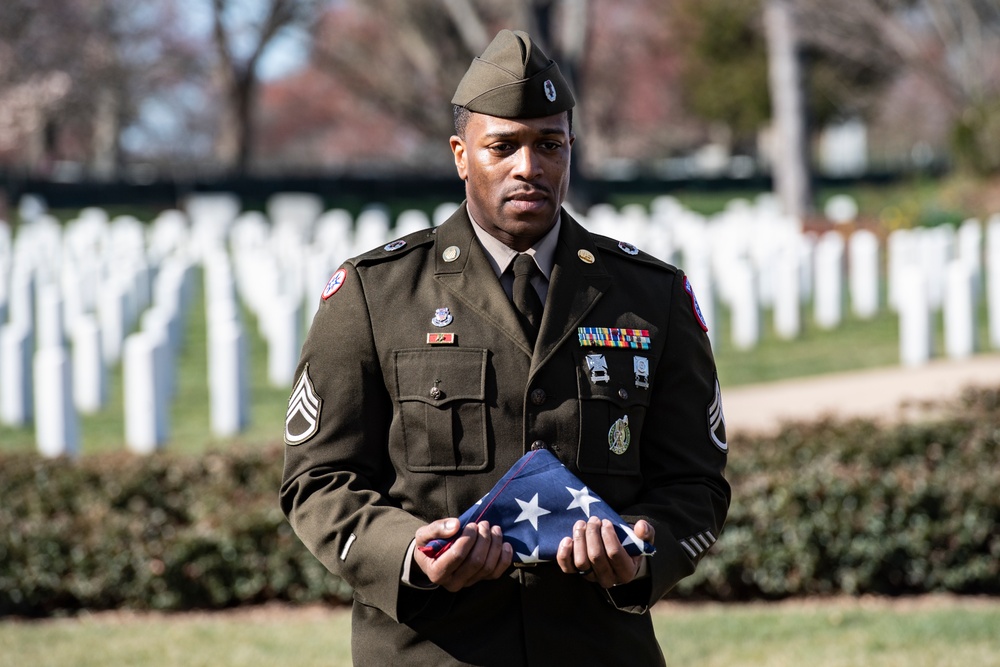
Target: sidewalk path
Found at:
891, 394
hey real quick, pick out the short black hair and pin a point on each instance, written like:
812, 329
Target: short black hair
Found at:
462, 114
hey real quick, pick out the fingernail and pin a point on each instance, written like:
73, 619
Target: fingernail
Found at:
450, 524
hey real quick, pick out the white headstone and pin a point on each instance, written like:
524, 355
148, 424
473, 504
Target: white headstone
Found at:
863, 264
411, 220
50, 328
145, 403
90, 384
56, 431
111, 307
284, 341
744, 307
828, 304
993, 279
16, 390
916, 331
787, 300
228, 378
960, 317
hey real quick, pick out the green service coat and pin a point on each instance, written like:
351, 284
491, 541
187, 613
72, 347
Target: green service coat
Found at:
374, 452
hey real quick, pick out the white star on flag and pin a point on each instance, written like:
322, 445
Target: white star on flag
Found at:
530, 511
582, 499
631, 538
530, 558
539, 475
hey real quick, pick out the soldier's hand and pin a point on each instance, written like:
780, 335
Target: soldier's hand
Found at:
595, 552
478, 554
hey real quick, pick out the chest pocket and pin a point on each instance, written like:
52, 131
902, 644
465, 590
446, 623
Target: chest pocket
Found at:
441, 396
614, 387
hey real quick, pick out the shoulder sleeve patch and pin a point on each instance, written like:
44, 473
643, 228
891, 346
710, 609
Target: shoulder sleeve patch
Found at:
695, 308
336, 281
304, 408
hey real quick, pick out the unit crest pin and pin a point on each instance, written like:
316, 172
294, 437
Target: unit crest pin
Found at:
628, 248
395, 245
442, 317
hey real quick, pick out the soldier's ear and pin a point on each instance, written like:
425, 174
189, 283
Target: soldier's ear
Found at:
458, 150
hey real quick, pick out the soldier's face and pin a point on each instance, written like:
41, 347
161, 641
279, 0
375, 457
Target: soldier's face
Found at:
516, 174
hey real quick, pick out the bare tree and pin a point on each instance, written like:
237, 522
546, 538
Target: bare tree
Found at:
790, 166
952, 44
241, 33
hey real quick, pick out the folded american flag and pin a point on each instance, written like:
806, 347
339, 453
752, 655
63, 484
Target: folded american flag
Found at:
536, 504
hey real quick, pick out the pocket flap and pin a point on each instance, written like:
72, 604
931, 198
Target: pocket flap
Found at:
438, 377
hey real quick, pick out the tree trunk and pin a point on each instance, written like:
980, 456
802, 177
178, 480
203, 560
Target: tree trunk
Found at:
790, 167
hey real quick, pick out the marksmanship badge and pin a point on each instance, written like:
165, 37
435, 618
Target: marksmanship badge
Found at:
619, 436
641, 367
598, 368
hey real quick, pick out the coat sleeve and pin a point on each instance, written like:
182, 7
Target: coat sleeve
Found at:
337, 473
685, 495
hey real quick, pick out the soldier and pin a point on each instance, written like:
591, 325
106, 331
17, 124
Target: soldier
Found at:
436, 362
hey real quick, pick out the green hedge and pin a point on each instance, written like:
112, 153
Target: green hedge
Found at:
162, 532
838, 507
823, 508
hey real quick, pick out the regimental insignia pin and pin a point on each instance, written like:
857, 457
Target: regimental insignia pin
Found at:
442, 317
598, 368
619, 436
395, 245
628, 248
440, 338
641, 367
336, 281
304, 409
585, 256
550, 90
451, 253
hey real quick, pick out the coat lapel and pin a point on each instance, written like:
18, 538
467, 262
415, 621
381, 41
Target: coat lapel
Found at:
575, 286
472, 279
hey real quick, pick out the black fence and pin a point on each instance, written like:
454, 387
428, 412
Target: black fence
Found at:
354, 192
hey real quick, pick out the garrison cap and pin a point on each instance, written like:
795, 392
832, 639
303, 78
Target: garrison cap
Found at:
514, 79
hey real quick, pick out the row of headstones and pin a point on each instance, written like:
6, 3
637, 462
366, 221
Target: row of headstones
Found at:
750, 257
75, 293
74, 297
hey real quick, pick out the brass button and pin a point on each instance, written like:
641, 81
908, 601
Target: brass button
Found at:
436, 393
622, 393
538, 396
537, 444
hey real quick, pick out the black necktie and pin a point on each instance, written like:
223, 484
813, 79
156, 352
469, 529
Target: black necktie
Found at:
525, 297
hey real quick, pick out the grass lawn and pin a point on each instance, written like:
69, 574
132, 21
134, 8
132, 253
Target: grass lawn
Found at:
924, 632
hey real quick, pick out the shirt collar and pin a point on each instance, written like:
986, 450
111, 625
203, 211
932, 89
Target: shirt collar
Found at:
501, 255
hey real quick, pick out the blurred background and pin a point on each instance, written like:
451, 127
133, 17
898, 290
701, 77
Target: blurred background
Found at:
113, 101
179, 178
